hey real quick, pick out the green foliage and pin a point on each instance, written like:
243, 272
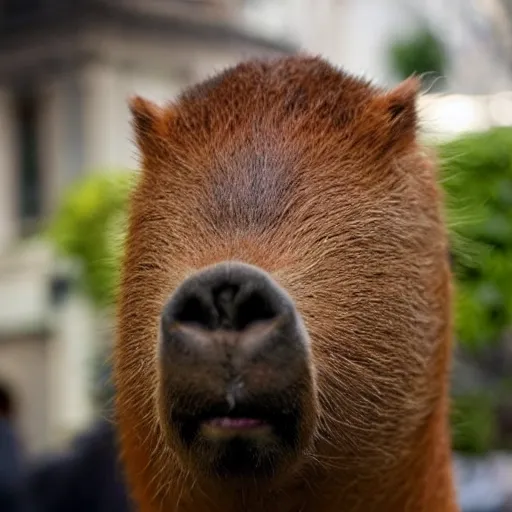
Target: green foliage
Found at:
421, 53
477, 178
89, 228
473, 423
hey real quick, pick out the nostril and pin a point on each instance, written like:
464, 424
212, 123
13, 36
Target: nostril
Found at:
255, 307
193, 310
217, 299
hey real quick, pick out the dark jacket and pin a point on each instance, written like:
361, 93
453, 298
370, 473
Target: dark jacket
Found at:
87, 479
12, 478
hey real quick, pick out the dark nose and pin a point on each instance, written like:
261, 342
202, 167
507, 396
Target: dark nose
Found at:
231, 307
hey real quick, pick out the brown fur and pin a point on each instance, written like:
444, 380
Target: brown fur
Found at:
317, 178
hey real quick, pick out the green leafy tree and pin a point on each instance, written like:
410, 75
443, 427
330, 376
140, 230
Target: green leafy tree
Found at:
421, 54
473, 423
89, 228
477, 178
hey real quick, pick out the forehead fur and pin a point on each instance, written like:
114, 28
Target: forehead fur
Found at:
295, 86
292, 95
252, 148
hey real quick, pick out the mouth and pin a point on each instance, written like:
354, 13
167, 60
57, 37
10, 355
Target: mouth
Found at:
241, 441
256, 423
226, 427
244, 441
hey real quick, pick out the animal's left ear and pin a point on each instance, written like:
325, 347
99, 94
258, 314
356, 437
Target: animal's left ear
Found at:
395, 112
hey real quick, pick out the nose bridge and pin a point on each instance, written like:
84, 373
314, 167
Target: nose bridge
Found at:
254, 250
232, 270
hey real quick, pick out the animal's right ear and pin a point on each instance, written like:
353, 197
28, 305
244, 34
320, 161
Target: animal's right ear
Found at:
148, 123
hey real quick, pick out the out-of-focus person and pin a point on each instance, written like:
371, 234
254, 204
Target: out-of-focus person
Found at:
12, 474
88, 476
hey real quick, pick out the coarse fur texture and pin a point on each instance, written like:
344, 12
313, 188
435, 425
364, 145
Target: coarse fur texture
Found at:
317, 178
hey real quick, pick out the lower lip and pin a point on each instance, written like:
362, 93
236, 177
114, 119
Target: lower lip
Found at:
227, 427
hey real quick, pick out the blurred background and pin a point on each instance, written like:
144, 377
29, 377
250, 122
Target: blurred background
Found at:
67, 154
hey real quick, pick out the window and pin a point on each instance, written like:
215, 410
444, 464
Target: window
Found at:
29, 172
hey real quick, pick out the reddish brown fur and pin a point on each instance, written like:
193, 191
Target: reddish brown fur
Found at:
317, 178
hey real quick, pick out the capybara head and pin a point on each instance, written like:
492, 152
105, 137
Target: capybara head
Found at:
285, 292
